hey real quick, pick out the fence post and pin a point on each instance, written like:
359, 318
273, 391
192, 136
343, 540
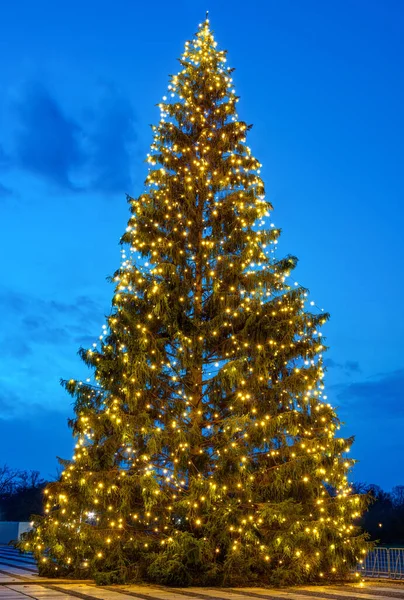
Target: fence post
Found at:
388, 562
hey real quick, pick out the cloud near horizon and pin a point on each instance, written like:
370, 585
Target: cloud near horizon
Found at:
373, 396
37, 320
43, 434
39, 340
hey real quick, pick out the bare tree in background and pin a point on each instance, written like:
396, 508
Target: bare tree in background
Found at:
8, 479
397, 494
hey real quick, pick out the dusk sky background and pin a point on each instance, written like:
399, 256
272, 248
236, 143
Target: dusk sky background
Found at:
322, 82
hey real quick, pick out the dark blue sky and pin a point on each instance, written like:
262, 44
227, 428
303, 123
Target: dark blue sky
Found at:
322, 82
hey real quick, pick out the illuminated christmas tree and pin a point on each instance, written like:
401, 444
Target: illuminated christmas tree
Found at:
206, 450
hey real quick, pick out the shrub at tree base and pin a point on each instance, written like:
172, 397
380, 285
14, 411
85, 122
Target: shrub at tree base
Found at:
207, 452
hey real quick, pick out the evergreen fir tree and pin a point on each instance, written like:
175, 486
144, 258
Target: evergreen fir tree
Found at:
206, 450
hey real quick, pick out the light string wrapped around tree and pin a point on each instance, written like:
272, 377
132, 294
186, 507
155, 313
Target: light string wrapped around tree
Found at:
207, 452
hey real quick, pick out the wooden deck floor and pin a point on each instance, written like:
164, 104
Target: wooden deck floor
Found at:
19, 579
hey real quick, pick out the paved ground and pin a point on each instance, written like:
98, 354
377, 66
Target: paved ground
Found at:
19, 580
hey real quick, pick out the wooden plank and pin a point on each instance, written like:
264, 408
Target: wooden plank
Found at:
155, 593
103, 593
8, 594
395, 588
275, 594
326, 592
212, 593
163, 593
40, 593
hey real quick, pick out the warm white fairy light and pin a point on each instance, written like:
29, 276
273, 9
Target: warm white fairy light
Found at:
208, 374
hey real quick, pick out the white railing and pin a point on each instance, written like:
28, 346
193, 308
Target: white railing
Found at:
386, 563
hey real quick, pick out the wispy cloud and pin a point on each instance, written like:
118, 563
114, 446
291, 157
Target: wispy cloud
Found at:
5, 191
15, 346
47, 141
10, 402
39, 329
348, 366
93, 153
14, 405
111, 143
39, 340
34, 321
5, 159
5, 162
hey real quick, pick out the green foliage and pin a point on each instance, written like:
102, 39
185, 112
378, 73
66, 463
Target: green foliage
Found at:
182, 561
207, 452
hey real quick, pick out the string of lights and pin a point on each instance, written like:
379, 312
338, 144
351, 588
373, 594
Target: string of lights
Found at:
207, 451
